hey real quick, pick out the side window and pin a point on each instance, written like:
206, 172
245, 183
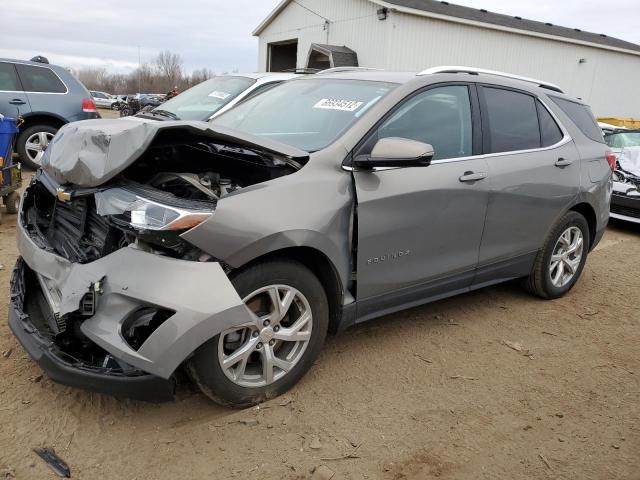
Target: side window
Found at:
40, 79
582, 116
550, 132
440, 116
510, 121
8, 78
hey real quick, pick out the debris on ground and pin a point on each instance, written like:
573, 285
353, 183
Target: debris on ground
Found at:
315, 443
513, 345
7, 474
285, 400
249, 422
322, 472
546, 462
7, 353
462, 377
517, 346
36, 378
425, 360
54, 461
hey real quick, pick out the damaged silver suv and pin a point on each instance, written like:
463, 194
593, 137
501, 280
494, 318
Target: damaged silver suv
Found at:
231, 248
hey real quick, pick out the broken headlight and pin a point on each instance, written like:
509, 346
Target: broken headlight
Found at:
146, 214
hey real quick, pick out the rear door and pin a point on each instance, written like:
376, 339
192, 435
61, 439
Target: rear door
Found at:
534, 175
43, 87
13, 100
419, 229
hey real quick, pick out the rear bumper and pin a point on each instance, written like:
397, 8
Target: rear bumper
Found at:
63, 369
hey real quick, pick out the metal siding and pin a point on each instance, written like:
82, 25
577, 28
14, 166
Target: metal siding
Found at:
412, 43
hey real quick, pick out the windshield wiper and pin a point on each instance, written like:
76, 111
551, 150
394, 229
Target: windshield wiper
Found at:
165, 113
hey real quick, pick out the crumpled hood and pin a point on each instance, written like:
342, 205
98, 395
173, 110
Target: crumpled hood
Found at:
91, 152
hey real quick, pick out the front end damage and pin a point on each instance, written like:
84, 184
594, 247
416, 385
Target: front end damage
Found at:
625, 198
107, 295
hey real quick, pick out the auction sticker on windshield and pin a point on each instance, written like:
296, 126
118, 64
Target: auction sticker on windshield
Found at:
335, 104
220, 95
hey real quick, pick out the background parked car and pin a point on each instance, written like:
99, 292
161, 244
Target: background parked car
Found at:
625, 198
217, 95
149, 100
47, 97
105, 100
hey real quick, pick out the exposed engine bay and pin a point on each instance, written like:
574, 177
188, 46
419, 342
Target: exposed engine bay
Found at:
168, 190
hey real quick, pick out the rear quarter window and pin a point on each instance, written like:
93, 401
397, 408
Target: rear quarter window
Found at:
40, 79
8, 78
582, 116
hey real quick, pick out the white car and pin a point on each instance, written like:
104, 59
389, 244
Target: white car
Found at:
216, 95
105, 100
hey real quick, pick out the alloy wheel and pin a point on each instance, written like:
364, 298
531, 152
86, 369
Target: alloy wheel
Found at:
566, 257
264, 350
36, 145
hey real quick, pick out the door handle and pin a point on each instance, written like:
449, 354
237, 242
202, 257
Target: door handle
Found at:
17, 101
563, 162
473, 176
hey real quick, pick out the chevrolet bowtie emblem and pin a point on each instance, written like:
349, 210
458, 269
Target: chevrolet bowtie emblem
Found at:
63, 195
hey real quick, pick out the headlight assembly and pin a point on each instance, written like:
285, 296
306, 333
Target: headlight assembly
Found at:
145, 214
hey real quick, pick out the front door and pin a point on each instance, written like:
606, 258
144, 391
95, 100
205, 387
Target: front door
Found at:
419, 228
13, 100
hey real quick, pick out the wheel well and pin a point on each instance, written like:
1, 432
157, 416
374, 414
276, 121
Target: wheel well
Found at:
31, 120
322, 268
589, 214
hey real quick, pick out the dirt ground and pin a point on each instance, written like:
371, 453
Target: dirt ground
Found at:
433, 392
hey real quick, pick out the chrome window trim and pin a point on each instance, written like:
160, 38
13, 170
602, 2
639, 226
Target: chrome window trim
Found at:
36, 93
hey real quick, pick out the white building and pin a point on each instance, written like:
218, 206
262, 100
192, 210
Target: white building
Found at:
411, 35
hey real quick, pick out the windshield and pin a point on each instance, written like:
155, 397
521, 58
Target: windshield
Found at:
206, 98
307, 114
623, 139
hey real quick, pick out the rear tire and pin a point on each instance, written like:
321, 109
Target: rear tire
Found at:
282, 346
37, 133
12, 202
559, 264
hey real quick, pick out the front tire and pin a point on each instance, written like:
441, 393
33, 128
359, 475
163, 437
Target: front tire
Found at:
248, 364
559, 264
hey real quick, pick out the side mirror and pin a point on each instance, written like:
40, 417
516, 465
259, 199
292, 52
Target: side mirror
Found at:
396, 152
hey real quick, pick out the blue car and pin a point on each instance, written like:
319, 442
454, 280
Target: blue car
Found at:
47, 97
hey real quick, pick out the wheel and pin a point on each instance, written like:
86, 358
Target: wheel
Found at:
12, 202
115, 106
125, 111
561, 261
250, 363
32, 142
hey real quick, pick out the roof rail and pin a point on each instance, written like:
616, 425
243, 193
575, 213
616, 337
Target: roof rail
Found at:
476, 71
345, 69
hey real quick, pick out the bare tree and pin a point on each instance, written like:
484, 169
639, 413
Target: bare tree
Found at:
169, 66
157, 77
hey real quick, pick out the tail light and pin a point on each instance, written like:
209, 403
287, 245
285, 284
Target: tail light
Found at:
88, 105
611, 160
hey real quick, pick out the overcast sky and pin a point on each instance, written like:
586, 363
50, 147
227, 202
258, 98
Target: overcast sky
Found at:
217, 33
